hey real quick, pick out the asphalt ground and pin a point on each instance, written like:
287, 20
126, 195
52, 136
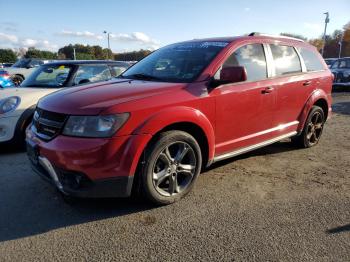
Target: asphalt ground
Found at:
276, 203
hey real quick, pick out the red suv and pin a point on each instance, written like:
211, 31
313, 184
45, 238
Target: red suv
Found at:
182, 108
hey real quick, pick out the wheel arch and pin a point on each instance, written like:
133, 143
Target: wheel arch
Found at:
185, 119
318, 98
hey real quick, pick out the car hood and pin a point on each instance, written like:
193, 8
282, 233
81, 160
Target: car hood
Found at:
94, 98
29, 96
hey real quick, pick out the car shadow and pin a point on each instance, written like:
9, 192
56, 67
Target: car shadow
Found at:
32, 207
339, 229
341, 108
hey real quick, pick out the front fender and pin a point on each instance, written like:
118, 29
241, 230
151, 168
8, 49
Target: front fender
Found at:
179, 114
313, 98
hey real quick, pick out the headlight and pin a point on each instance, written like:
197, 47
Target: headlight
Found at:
94, 126
9, 104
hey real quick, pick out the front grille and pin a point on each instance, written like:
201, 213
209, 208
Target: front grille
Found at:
47, 125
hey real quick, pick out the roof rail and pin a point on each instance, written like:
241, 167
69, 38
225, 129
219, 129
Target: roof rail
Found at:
279, 36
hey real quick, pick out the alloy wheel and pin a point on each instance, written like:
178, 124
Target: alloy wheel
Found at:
174, 168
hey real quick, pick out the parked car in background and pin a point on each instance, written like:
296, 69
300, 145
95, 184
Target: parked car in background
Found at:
5, 80
183, 107
23, 68
5, 65
330, 61
17, 105
341, 71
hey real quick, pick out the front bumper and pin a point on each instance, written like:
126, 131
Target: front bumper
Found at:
8, 127
104, 188
87, 167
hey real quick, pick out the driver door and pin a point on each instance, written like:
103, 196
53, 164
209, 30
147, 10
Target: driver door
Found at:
244, 110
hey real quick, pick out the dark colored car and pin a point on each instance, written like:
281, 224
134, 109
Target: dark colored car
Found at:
180, 109
341, 71
330, 61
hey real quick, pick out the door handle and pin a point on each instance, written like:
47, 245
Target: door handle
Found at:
307, 83
267, 90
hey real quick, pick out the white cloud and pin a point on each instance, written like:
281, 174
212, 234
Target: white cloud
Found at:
138, 38
247, 9
14, 42
5, 38
85, 34
133, 38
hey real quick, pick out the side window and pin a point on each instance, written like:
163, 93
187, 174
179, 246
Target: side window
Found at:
35, 63
286, 60
311, 60
118, 69
92, 73
252, 57
342, 64
335, 65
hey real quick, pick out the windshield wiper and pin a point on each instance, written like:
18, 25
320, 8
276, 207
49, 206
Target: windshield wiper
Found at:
142, 77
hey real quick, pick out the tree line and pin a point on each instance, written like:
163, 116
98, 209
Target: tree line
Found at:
95, 52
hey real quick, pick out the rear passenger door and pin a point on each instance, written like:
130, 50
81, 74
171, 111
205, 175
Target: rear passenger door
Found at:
292, 86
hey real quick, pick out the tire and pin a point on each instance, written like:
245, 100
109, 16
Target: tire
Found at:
172, 165
313, 128
17, 79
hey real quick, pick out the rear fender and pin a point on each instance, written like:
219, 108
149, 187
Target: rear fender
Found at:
314, 97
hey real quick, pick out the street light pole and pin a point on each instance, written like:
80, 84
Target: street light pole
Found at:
326, 21
340, 44
109, 47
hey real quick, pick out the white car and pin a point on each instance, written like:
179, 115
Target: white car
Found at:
23, 68
17, 104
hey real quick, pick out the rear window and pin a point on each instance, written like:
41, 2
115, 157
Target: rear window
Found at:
286, 60
311, 60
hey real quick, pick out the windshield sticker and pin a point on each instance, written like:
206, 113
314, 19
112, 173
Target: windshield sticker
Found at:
189, 46
218, 44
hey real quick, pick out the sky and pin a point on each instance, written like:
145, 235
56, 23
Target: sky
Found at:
147, 24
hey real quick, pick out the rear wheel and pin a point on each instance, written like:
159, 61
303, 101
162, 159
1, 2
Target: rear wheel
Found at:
17, 80
172, 165
313, 128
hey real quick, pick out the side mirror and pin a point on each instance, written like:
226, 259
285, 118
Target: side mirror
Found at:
233, 74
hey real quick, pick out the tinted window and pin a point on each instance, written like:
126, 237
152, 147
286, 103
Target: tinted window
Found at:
92, 73
118, 69
182, 62
48, 76
252, 57
311, 60
344, 63
286, 60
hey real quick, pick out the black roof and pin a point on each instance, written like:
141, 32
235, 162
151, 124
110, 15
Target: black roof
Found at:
87, 62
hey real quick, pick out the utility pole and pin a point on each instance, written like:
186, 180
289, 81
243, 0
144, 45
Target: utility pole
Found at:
74, 57
340, 43
326, 21
109, 47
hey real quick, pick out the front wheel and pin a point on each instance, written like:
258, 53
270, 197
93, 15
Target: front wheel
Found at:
313, 128
173, 163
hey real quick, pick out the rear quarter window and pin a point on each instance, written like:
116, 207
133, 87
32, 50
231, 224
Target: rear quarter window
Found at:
311, 60
286, 60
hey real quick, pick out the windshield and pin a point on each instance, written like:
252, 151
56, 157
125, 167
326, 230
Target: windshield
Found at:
53, 76
182, 62
22, 63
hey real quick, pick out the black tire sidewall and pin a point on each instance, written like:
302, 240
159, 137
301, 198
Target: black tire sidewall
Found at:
151, 155
313, 110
